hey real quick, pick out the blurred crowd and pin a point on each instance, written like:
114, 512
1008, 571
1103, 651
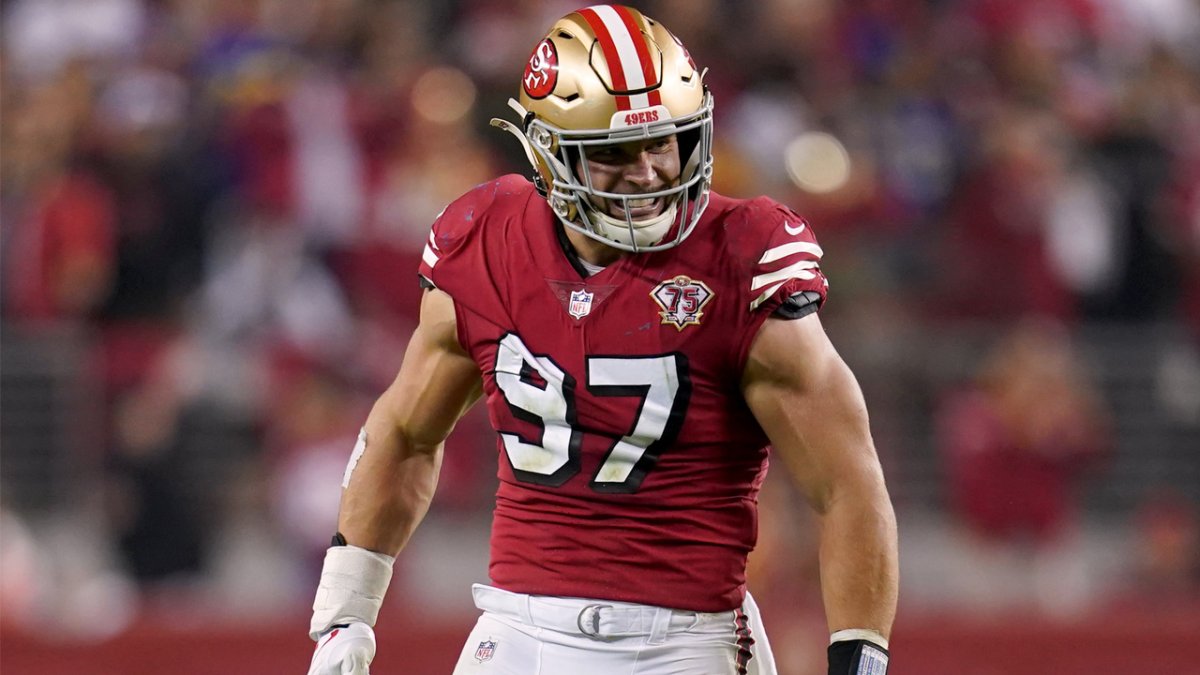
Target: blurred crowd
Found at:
229, 197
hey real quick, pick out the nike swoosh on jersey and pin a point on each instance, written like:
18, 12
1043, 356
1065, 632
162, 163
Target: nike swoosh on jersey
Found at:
793, 230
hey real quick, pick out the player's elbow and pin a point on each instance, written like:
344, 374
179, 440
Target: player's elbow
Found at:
859, 484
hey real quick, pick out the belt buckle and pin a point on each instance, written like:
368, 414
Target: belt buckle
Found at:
588, 620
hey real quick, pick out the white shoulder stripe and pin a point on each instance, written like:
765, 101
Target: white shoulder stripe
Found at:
763, 298
791, 248
433, 240
795, 271
429, 257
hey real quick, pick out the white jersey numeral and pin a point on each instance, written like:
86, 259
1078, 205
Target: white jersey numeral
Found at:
660, 382
553, 458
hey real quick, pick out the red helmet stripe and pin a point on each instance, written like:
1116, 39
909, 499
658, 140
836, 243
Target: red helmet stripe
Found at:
611, 57
643, 52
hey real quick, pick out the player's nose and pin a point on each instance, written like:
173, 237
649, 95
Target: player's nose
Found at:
640, 171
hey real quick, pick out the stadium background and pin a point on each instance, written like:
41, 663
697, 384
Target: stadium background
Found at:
212, 214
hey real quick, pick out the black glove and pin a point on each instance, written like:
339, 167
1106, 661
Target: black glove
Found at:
857, 657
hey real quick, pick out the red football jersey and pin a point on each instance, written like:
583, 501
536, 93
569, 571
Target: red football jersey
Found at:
629, 463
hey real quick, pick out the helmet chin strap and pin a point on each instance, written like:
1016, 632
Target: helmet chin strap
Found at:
643, 233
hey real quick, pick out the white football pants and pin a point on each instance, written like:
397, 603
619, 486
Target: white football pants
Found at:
544, 635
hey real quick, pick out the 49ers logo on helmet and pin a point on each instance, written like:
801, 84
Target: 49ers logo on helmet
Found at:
541, 74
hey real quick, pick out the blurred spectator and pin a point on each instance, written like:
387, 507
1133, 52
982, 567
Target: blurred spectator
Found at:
313, 422
21, 589
1015, 446
1133, 165
139, 145
61, 258
41, 37
1182, 200
155, 523
1018, 441
60, 239
436, 153
1167, 562
58, 575
994, 262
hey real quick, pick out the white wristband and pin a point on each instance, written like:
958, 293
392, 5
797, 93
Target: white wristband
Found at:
858, 634
353, 582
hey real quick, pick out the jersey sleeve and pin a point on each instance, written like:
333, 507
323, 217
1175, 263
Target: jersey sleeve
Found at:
464, 255
466, 240
778, 258
451, 237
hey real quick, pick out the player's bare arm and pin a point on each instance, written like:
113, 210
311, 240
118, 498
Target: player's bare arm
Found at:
808, 402
389, 483
390, 487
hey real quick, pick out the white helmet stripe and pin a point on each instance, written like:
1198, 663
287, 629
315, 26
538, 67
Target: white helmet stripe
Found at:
630, 63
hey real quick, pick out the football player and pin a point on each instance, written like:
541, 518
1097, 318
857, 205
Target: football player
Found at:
640, 342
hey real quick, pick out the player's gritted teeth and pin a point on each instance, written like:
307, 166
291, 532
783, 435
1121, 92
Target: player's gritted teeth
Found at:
638, 208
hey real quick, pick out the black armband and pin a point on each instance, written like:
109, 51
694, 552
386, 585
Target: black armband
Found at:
338, 540
426, 284
799, 305
857, 657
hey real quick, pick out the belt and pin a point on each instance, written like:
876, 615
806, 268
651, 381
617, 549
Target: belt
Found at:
597, 619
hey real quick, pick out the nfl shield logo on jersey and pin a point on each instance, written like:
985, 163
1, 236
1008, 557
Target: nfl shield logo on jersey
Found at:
581, 304
485, 651
681, 299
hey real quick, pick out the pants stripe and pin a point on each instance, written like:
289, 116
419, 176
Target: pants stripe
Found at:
744, 641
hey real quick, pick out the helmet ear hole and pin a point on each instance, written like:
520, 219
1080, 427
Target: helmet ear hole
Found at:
689, 148
689, 153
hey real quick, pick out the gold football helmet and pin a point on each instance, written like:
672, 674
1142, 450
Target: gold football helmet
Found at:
608, 74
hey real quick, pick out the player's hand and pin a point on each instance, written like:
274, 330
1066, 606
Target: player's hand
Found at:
344, 650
